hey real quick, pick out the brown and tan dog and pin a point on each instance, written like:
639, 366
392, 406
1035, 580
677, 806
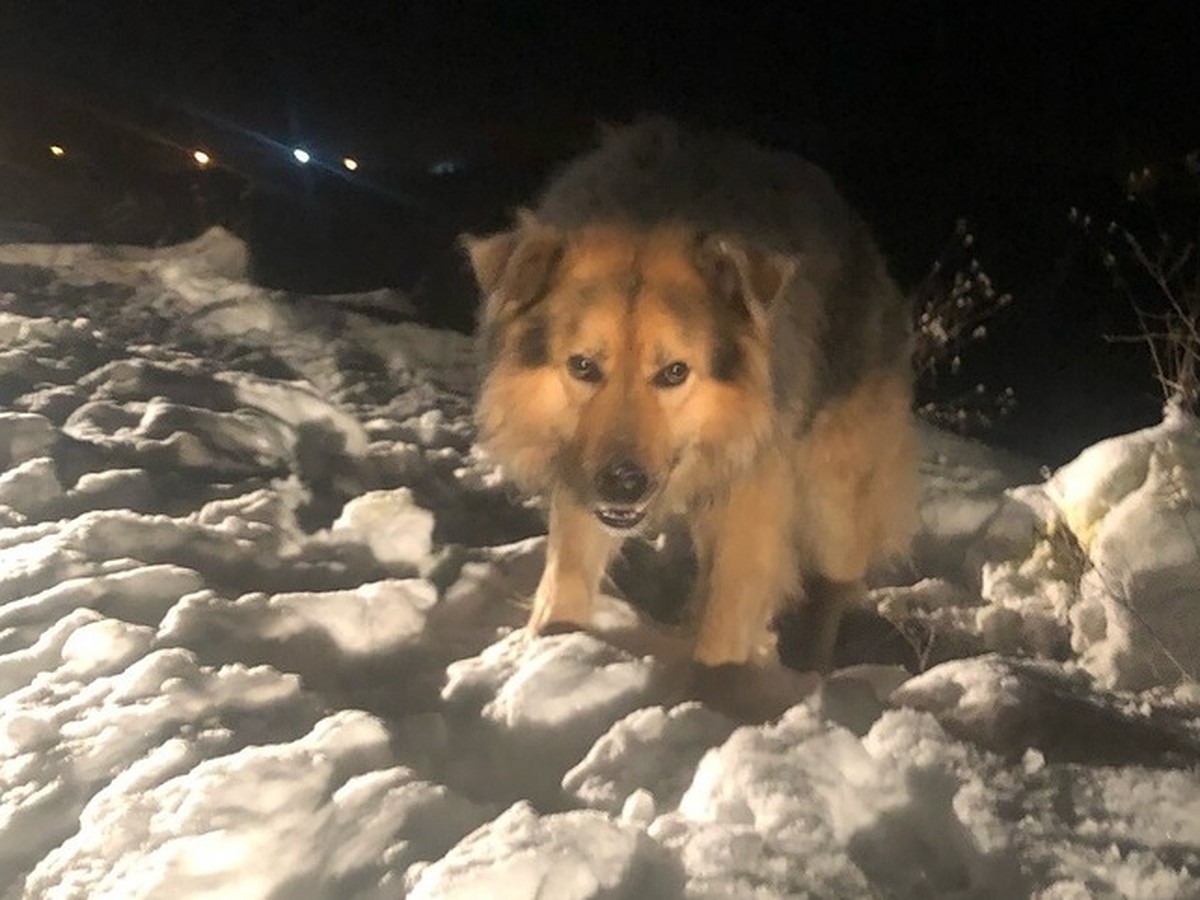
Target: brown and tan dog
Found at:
688, 325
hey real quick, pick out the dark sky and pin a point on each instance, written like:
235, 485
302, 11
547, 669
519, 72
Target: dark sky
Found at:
1059, 73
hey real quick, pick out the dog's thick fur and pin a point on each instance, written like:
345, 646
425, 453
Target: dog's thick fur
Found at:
787, 444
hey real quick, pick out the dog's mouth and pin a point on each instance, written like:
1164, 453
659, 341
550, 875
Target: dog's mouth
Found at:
620, 518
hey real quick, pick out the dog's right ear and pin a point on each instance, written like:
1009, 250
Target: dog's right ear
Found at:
748, 278
514, 268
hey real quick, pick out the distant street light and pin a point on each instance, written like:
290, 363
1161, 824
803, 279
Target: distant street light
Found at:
350, 163
202, 159
57, 151
302, 155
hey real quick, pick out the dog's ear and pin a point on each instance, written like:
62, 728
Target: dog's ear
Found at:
748, 277
489, 255
514, 267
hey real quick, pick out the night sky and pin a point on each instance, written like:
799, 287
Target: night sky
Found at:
1060, 75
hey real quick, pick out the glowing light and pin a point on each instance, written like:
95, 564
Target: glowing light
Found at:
350, 163
302, 156
57, 151
202, 159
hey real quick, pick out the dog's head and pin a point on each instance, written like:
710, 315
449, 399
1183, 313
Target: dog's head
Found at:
627, 367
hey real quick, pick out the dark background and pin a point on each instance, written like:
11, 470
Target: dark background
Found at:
1006, 114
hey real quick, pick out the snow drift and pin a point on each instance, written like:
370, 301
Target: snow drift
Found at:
258, 598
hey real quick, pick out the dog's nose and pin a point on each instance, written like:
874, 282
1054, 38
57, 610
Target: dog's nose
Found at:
622, 482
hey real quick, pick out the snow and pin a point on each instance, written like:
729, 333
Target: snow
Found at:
390, 523
322, 809
646, 759
24, 437
260, 600
574, 855
1132, 502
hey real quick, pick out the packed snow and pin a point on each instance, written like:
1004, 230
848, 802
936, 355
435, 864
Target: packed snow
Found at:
260, 608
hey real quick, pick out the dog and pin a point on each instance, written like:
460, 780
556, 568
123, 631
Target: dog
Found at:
687, 325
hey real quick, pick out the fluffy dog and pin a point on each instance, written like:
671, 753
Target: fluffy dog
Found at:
688, 325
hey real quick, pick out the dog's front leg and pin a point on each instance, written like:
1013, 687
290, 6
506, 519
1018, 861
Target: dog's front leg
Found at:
577, 551
752, 565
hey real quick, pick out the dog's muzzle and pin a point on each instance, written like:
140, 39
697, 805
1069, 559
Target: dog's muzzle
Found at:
621, 489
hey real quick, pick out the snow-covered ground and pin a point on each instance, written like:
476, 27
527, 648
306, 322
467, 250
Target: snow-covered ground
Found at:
259, 599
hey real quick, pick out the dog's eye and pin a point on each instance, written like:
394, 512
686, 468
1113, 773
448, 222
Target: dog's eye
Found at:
584, 368
672, 374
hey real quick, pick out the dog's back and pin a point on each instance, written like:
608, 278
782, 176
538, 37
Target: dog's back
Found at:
658, 172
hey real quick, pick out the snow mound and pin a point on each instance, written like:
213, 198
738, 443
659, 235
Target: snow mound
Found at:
323, 809
397, 530
1014, 706
1100, 562
99, 706
804, 807
574, 855
651, 753
372, 619
1133, 503
24, 437
962, 488
30, 487
533, 708
214, 256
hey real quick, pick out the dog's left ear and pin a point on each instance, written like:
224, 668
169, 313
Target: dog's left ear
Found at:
514, 267
489, 255
747, 276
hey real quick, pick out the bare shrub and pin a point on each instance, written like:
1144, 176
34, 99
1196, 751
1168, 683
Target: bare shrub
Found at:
1159, 274
953, 304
